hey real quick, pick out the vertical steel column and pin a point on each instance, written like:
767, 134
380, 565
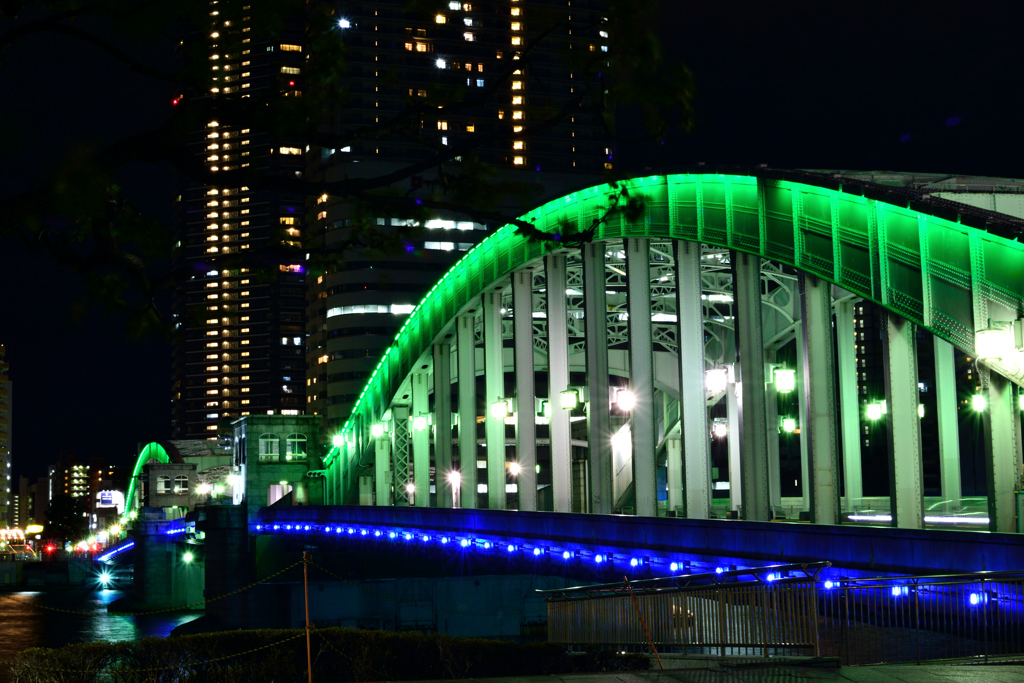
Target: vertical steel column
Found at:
746, 273
400, 451
734, 441
641, 375
693, 409
599, 433
771, 411
1000, 452
494, 380
526, 413
466, 353
801, 408
946, 415
443, 424
849, 405
421, 439
558, 381
382, 469
674, 461
905, 462
820, 430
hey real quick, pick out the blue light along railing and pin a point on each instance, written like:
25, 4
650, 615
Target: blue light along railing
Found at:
494, 545
115, 551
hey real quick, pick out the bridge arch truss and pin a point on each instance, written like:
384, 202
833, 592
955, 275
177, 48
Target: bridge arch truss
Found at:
686, 306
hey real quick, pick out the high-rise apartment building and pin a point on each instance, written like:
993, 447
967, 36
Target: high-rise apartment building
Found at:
241, 337
6, 507
474, 53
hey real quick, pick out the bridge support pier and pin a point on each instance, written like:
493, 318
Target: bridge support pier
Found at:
901, 395
558, 381
599, 432
466, 353
1001, 468
526, 414
746, 271
946, 415
819, 392
641, 375
443, 424
494, 381
849, 404
693, 411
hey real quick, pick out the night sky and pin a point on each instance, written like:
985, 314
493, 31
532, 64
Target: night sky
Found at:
907, 86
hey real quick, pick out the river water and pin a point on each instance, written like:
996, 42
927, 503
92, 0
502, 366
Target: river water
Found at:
25, 621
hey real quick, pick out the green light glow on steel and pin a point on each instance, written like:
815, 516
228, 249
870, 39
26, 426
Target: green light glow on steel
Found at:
338, 440
878, 251
920, 410
152, 451
978, 402
1020, 401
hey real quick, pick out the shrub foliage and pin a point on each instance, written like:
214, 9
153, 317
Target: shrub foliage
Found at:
339, 655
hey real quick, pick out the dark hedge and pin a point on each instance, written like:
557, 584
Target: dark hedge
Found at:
339, 654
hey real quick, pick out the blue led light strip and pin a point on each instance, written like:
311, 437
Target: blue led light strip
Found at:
117, 550
495, 545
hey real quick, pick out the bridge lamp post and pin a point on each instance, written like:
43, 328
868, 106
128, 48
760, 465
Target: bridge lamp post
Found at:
377, 430
514, 469
569, 399
875, 411
979, 403
419, 423
720, 428
788, 425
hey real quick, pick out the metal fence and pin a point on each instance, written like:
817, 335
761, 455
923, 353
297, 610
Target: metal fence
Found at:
768, 612
745, 612
900, 619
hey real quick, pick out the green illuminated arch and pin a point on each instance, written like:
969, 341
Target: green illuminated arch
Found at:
152, 451
945, 276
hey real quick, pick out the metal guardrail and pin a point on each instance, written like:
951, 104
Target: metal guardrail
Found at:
765, 611
750, 611
906, 619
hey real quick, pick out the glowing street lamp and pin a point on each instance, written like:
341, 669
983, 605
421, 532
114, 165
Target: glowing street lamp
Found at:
514, 469
716, 380
788, 425
187, 558
720, 428
992, 343
377, 430
874, 411
785, 380
920, 410
499, 409
978, 402
625, 400
419, 423
338, 440
569, 399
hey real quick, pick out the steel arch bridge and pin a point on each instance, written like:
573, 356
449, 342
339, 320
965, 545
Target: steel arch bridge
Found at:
659, 311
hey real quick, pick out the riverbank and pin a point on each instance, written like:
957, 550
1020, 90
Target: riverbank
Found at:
339, 654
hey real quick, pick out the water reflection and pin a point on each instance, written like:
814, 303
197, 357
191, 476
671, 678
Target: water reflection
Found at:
29, 619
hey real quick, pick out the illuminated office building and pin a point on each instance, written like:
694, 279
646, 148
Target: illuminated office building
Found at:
396, 58
6, 508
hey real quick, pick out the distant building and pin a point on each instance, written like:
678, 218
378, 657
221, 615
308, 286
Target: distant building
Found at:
6, 507
30, 502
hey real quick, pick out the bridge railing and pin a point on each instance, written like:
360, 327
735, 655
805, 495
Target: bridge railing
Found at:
766, 611
758, 611
901, 619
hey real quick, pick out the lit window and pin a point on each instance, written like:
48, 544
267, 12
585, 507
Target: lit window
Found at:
519, 161
517, 115
518, 99
284, 70
516, 40
516, 26
440, 19
515, 11
442, 125
291, 150
518, 144
291, 48
468, 36
517, 85
470, 128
